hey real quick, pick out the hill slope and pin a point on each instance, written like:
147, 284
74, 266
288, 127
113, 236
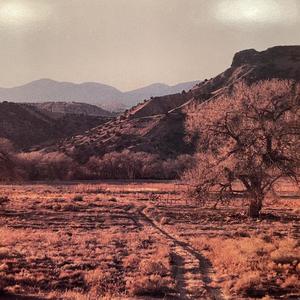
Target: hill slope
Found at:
154, 90
157, 125
76, 108
25, 125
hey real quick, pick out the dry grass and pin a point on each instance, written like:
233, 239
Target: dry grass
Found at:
55, 246
152, 275
253, 266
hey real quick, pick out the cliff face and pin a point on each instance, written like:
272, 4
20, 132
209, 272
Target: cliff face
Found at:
271, 55
282, 62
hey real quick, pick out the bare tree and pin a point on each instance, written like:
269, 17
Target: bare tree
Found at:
248, 140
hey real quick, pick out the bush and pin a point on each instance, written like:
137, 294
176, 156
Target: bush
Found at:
40, 165
153, 285
78, 198
4, 200
8, 168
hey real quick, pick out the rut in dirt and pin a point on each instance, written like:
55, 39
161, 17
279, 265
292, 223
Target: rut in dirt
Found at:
191, 270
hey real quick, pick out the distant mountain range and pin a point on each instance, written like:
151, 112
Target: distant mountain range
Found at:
105, 96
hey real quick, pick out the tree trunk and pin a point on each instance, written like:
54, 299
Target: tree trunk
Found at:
255, 207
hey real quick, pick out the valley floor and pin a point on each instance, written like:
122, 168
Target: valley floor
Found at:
140, 240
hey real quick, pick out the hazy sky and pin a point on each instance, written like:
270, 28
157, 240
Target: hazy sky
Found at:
131, 43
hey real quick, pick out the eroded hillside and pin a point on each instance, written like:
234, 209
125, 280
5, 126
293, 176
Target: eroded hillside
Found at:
157, 125
26, 126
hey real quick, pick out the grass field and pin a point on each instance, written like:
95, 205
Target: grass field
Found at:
140, 240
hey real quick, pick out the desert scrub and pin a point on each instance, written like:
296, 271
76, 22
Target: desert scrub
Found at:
253, 267
154, 267
78, 198
2, 282
103, 282
153, 285
131, 261
88, 189
152, 275
4, 200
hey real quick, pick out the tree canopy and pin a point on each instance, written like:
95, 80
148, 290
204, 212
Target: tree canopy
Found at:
248, 139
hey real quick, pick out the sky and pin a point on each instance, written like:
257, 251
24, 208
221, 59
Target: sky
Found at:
133, 43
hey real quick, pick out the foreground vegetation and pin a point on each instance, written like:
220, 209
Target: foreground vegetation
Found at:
122, 240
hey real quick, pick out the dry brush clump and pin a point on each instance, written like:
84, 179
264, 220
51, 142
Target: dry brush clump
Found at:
9, 169
147, 265
104, 282
254, 267
50, 263
152, 275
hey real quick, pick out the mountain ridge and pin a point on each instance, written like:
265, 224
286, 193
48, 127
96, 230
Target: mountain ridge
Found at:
102, 95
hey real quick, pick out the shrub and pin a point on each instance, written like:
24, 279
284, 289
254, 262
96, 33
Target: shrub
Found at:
8, 167
4, 200
149, 267
40, 165
131, 261
154, 285
78, 198
247, 283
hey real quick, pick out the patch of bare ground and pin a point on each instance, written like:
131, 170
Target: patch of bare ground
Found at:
118, 240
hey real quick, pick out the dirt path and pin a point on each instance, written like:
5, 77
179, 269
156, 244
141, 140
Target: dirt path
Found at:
192, 271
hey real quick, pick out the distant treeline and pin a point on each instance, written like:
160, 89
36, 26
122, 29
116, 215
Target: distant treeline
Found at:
115, 165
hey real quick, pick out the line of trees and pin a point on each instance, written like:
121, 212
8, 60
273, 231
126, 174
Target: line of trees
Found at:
115, 165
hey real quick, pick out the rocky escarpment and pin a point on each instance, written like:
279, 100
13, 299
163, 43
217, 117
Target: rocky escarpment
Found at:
281, 62
251, 56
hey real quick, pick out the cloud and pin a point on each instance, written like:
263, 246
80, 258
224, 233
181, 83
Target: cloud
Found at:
258, 12
20, 13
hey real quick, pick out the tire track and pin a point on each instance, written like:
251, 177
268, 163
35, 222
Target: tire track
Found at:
192, 271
